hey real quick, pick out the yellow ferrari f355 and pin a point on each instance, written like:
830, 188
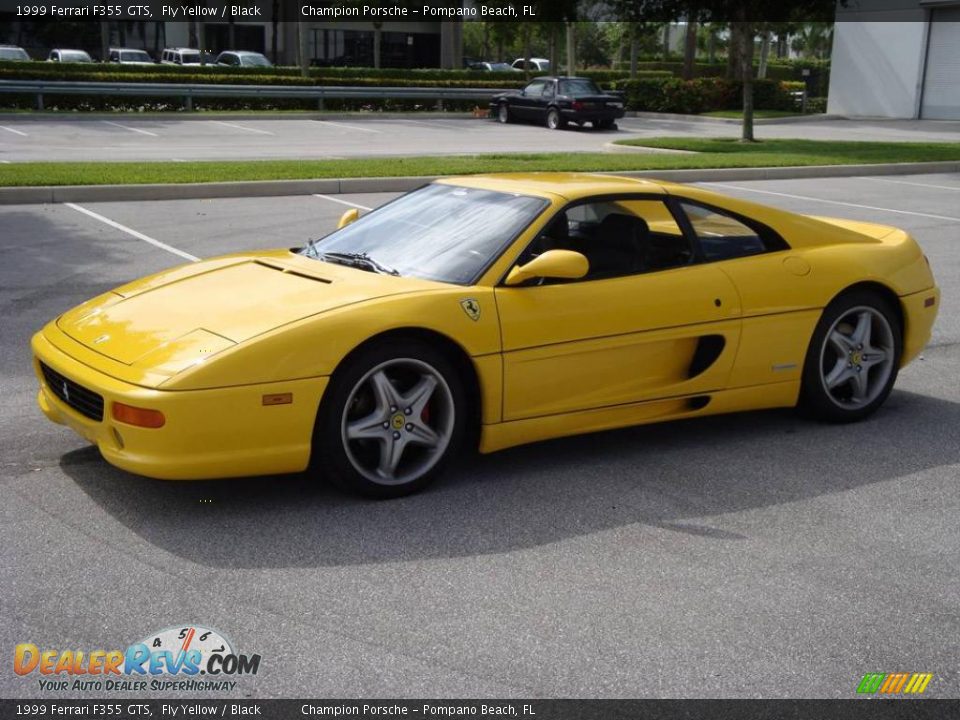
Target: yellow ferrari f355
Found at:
495, 310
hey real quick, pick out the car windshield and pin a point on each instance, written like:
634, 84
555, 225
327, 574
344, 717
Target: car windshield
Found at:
134, 56
254, 61
441, 232
74, 56
579, 86
13, 54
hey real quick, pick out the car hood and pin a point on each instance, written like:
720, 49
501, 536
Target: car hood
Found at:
169, 322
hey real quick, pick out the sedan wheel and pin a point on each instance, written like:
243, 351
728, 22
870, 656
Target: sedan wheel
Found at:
392, 422
553, 119
853, 360
503, 113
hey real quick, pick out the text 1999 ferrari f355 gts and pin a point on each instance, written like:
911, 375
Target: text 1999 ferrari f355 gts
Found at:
501, 308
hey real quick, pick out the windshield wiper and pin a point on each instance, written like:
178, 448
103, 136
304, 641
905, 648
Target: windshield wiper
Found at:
357, 260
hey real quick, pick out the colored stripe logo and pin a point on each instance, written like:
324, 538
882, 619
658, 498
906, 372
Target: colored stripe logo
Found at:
894, 683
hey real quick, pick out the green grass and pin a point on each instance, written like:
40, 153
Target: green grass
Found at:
759, 114
710, 153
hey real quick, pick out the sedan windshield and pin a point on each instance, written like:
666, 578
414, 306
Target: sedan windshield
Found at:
580, 86
135, 56
255, 61
13, 54
74, 56
440, 232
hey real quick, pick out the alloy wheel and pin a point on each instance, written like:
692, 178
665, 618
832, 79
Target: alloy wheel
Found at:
398, 421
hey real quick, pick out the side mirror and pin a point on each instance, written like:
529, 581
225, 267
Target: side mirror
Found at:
551, 264
348, 217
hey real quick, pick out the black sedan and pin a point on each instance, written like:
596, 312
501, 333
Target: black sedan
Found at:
557, 101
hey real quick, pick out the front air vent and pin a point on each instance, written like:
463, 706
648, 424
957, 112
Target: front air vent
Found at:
290, 271
84, 401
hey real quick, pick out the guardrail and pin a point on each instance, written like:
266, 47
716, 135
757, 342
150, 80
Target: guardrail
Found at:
320, 93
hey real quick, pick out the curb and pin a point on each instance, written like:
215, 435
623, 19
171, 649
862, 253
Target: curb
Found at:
812, 117
614, 147
334, 186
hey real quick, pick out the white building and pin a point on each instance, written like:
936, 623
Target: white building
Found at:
899, 59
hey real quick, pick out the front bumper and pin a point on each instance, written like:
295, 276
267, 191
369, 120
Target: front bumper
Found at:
215, 433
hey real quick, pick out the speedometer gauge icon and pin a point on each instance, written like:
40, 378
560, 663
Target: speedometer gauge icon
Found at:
190, 637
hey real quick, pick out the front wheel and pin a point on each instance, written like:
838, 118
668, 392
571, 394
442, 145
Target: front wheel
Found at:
853, 358
393, 418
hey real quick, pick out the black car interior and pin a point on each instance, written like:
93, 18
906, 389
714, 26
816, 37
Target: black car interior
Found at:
618, 244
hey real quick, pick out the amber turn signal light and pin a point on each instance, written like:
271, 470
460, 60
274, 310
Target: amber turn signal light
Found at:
141, 417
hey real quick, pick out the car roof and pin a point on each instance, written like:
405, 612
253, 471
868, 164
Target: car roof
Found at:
126, 48
242, 52
180, 49
569, 185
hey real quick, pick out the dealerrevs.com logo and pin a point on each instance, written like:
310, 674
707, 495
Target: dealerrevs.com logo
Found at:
189, 657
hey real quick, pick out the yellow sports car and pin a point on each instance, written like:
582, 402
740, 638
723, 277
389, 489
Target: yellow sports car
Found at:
494, 310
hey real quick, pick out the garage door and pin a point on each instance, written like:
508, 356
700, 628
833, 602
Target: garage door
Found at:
941, 82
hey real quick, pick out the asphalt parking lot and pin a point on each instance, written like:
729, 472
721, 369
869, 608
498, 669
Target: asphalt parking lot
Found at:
131, 138
754, 555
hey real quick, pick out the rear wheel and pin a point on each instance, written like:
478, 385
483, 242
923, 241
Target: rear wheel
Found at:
503, 113
853, 358
605, 125
392, 420
554, 121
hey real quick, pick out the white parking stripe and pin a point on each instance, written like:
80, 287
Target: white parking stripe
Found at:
15, 132
4, 162
351, 127
342, 202
133, 233
831, 202
131, 129
915, 184
242, 127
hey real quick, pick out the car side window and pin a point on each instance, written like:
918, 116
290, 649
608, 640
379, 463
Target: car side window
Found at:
724, 237
549, 91
618, 238
534, 89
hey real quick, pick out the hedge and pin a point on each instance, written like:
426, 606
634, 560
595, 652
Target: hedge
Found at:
691, 97
282, 75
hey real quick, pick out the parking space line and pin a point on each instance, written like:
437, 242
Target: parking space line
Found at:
133, 233
131, 129
4, 162
15, 132
351, 127
915, 184
242, 127
830, 202
342, 202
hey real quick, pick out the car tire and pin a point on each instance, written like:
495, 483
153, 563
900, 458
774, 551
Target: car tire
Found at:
391, 419
853, 358
605, 125
554, 120
503, 113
